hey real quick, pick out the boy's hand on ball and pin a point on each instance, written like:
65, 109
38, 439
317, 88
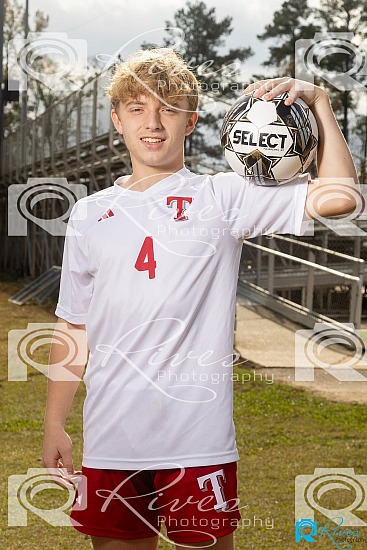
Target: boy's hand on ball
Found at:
270, 88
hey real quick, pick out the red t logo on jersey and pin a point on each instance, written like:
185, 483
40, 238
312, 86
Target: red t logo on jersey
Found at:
180, 206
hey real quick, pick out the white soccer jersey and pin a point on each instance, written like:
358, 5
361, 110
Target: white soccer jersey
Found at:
153, 275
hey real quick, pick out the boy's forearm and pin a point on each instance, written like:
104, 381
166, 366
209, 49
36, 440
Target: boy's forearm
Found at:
334, 159
335, 190
60, 393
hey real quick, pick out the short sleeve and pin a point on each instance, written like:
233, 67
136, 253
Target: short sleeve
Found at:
251, 210
76, 283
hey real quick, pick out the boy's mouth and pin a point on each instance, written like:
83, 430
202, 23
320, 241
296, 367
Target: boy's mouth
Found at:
152, 140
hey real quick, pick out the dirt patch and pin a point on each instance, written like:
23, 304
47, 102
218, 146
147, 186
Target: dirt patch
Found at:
271, 344
324, 385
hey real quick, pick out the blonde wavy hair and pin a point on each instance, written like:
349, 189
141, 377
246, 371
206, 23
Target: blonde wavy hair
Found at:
160, 72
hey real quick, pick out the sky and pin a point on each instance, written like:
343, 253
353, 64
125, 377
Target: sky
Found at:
107, 25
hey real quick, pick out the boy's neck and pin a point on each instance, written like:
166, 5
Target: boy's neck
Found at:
142, 180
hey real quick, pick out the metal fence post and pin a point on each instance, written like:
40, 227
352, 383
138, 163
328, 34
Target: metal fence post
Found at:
258, 262
310, 280
355, 306
271, 263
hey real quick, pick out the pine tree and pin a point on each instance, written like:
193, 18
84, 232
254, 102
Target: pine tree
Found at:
39, 95
360, 131
290, 23
217, 72
296, 20
14, 27
344, 16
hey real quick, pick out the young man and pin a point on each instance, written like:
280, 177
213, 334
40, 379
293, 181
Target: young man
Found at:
150, 271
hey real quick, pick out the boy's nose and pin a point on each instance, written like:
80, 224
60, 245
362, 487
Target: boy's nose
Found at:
153, 120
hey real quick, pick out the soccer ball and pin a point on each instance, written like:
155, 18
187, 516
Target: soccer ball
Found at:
267, 141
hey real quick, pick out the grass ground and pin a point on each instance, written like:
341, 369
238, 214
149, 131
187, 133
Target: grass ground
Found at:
282, 432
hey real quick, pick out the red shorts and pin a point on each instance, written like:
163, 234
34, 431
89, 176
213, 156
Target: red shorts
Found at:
196, 504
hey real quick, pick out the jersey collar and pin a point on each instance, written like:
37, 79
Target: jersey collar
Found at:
174, 181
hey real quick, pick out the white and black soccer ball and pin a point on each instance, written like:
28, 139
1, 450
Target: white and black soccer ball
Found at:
267, 141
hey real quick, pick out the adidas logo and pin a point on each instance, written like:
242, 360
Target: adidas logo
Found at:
106, 215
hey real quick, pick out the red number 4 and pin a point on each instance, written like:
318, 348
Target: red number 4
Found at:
145, 260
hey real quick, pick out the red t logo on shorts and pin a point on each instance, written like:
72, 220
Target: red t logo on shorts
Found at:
217, 480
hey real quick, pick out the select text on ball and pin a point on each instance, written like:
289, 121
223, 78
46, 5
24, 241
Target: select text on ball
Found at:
245, 137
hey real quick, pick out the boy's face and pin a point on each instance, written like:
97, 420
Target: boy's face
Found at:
154, 132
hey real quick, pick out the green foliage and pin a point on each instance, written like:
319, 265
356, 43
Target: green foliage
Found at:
217, 72
290, 23
296, 20
360, 131
38, 97
344, 16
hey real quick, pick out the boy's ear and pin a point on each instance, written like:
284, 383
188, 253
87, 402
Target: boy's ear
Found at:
116, 121
191, 123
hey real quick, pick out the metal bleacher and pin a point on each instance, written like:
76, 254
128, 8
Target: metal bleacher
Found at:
320, 277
